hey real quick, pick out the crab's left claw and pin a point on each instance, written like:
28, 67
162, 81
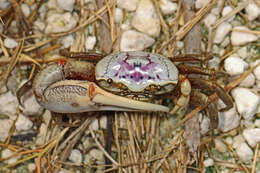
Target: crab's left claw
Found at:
72, 96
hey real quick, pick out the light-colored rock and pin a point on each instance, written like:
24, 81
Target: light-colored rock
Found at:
249, 81
167, 6
128, 5
4, 4
235, 65
94, 125
40, 139
146, 19
60, 22
252, 11
210, 20
226, 10
200, 3
118, 15
39, 25
204, 125
208, 162
252, 136
222, 30
5, 126
10, 43
257, 123
97, 154
25, 9
241, 38
67, 41
135, 41
244, 152
8, 104
237, 140
229, 140
243, 52
75, 156
228, 120
246, 101
31, 167
7, 153
31, 106
67, 5
220, 146
23, 123
90, 42
103, 122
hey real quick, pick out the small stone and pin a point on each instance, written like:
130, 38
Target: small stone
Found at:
31, 106
200, 3
167, 6
208, 162
228, 120
39, 25
253, 11
226, 10
246, 107
222, 30
244, 152
135, 41
94, 125
128, 5
31, 167
23, 123
235, 65
242, 52
118, 15
103, 122
5, 126
10, 43
229, 140
25, 9
90, 42
75, 156
67, 5
220, 146
241, 38
4, 4
7, 153
210, 20
252, 136
257, 123
237, 140
8, 104
67, 41
146, 19
98, 155
249, 81
60, 22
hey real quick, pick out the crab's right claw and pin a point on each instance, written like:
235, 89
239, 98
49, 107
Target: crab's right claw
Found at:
72, 96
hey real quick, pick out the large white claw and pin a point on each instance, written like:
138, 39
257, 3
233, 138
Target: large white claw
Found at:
73, 96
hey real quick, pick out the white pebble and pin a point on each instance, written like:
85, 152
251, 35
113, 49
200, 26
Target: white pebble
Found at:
97, 154
103, 122
39, 25
208, 162
204, 125
167, 6
252, 136
241, 38
40, 139
220, 146
257, 123
4, 4
8, 104
75, 156
25, 9
243, 52
90, 42
146, 19
221, 32
67, 5
67, 41
31, 167
246, 101
135, 41
200, 3
7, 153
228, 120
31, 107
128, 5
253, 11
23, 123
210, 20
5, 126
60, 22
10, 43
118, 15
249, 81
226, 10
235, 65
94, 125
237, 140
244, 152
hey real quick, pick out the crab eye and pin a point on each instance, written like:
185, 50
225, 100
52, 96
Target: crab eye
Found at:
109, 80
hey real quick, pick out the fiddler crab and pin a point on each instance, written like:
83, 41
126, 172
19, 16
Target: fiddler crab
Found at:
125, 81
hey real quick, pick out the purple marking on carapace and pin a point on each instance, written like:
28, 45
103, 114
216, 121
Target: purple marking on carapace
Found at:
137, 70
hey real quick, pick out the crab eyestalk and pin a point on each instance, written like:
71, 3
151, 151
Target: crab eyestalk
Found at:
73, 96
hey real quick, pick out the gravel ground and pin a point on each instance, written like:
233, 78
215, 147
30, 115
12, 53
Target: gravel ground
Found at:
230, 31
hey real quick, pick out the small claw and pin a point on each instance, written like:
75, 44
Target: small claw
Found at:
72, 96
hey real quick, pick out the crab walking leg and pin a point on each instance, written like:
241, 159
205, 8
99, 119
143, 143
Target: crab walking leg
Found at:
185, 94
73, 96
